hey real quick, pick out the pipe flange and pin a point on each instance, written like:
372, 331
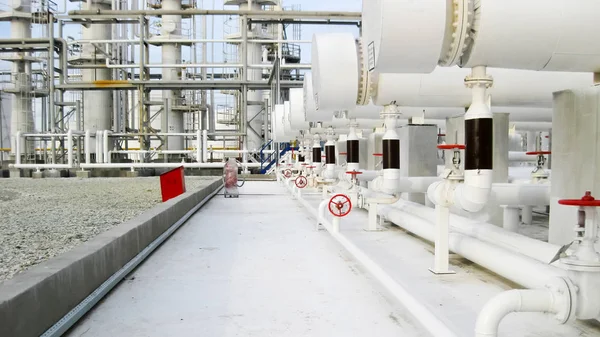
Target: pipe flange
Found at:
486, 82
364, 93
566, 298
460, 38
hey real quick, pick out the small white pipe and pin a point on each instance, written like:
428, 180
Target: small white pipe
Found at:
99, 147
511, 220
18, 148
105, 147
199, 146
204, 146
88, 154
428, 320
41, 166
521, 157
538, 300
70, 148
163, 165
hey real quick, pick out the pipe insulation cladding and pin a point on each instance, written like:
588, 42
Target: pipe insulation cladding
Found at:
330, 86
444, 86
297, 115
420, 26
316, 152
406, 36
513, 34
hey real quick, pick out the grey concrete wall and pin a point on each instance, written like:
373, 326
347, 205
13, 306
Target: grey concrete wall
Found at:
34, 300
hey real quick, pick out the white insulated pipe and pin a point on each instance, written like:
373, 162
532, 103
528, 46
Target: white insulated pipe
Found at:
419, 311
510, 218
163, 165
535, 249
516, 300
513, 266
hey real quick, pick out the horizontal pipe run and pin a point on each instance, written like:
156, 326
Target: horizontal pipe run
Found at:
518, 268
282, 15
164, 165
536, 249
419, 311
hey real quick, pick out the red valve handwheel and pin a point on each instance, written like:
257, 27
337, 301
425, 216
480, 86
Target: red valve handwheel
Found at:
451, 147
353, 172
343, 153
311, 167
587, 201
378, 154
301, 182
441, 135
537, 153
304, 164
340, 205
287, 173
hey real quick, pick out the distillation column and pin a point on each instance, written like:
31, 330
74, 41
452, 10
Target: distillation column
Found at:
171, 54
97, 104
254, 138
22, 110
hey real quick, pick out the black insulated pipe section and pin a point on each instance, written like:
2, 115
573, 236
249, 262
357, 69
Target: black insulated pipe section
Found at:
316, 154
329, 154
352, 151
300, 158
391, 154
479, 142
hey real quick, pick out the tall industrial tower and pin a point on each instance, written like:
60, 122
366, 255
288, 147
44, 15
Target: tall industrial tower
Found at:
255, 53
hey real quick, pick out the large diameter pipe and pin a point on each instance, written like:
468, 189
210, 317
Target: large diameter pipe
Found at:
535, 249
520, 194
513, 266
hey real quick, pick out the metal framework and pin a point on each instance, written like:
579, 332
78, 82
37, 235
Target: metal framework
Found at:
106, 83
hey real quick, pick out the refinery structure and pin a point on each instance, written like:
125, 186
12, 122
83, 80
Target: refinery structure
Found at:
261, 167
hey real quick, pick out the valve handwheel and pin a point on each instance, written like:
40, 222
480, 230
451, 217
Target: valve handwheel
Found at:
354, 174
378, 154
343, 153
287, 173
451, 147
538, 153
340, 205
587, 201
301, 182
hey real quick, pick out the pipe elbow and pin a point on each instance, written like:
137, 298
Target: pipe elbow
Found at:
494, 311
435, 193
474, 193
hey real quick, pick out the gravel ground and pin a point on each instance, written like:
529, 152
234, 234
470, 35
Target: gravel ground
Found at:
40, 219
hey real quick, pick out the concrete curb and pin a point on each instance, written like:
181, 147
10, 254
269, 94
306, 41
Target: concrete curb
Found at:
34, 300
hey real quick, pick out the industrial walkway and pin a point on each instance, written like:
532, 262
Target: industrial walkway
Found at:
253, 266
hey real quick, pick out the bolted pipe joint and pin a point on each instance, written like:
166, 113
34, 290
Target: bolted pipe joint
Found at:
555, 299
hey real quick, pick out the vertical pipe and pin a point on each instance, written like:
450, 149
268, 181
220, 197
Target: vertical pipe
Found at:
105, 147
88, 154
204, 146
70, 148
18, 143
199, 146
391, 152
352, 150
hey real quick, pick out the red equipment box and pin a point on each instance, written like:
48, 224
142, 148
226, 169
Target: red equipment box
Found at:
172, 183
